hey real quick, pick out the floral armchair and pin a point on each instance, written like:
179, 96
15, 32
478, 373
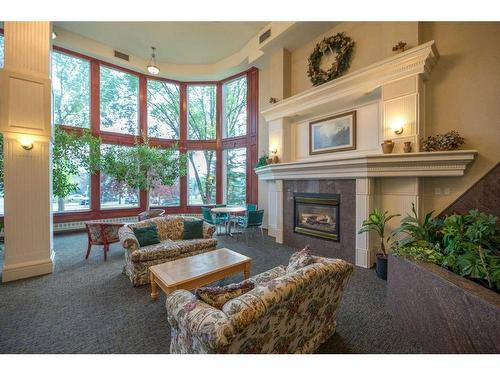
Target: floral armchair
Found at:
172, 246
284, 313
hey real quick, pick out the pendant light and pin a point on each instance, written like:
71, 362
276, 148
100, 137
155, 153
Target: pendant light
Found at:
152, 68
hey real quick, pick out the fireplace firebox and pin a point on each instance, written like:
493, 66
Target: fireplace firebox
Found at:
317, 215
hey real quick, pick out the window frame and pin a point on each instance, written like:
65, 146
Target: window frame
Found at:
218, 144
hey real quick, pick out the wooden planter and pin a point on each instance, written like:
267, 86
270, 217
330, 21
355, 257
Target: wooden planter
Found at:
446, 312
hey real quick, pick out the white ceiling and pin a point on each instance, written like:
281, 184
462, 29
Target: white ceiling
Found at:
176, 42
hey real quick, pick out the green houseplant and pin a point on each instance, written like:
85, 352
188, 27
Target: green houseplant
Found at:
376, 223
467, 245
73, 152
143, 166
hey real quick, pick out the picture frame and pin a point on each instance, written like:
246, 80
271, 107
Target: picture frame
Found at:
333, 134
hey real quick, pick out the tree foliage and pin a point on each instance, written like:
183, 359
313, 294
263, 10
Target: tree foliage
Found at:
71, 88
119, 101
143, 166
72, 152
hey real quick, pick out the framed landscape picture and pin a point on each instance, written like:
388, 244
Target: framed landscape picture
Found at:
332, 134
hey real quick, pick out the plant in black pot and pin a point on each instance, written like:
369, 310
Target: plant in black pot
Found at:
376, 223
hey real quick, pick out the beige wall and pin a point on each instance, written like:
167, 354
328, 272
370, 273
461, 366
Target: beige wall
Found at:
374, 41
464, 94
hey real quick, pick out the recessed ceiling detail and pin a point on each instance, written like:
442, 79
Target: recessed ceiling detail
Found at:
188, 43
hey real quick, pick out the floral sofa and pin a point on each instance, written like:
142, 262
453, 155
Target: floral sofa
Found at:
172, 246
284, 313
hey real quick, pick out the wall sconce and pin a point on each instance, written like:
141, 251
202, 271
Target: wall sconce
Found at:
26, 143
398, 126
274, 153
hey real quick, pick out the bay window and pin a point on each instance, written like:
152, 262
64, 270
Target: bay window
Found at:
71, 90
212, 123
1, 51
234, 108
163, 109
201, 177
201, 112
235, 176
116, 194
119, 100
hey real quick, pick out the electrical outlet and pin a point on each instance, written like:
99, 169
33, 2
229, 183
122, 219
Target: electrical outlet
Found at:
437, 191
447, 191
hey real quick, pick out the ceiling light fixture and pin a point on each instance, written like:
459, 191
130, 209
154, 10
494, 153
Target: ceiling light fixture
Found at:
152, 68
54, 35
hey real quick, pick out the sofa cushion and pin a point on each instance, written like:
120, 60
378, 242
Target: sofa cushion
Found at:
219, 295
147, 235
164, 250
192, 230
189, 246
300, 259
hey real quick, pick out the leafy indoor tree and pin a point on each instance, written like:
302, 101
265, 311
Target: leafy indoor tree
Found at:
143, 166
72, 152
376, 223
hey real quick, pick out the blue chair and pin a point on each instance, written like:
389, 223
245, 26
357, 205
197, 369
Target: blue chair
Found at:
250, 207
210, 219
251, 221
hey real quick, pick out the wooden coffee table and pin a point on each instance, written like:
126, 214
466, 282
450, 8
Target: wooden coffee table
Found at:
197, 270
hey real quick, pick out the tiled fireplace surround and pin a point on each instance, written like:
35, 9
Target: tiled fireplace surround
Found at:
344, 248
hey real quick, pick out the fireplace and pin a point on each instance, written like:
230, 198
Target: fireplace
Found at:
317, 215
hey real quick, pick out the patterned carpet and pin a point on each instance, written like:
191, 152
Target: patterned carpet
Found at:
88, 306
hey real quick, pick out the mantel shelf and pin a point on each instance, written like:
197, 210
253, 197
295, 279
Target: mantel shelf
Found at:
354, 86
417, 164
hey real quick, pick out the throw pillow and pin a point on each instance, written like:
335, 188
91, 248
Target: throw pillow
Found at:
217, 296
146, 235
300, 259
192, 230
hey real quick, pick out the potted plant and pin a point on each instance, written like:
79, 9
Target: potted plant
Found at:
376, 223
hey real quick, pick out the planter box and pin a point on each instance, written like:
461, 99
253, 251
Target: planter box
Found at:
446, 312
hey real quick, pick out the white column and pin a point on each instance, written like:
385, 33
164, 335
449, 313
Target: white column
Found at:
275, 204
365, 190
25, 117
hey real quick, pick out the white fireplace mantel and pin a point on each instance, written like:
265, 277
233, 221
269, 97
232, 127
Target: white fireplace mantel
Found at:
415, 164
387, 96
347, 89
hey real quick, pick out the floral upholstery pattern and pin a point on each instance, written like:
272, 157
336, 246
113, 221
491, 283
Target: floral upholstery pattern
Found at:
217, 296
300, 259
170, 228
292, 313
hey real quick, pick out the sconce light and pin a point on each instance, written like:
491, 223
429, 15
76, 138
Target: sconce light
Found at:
398, 126
54, 35
26, 143
274, 150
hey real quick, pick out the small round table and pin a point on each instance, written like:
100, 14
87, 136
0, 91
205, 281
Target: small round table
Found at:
231, 210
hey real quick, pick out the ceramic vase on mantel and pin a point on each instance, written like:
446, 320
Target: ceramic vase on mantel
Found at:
387, 146
407, 147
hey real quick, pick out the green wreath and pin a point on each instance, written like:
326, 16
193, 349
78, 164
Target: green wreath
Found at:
339, 43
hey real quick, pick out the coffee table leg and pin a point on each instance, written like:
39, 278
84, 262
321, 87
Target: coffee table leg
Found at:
154, 287
246, 270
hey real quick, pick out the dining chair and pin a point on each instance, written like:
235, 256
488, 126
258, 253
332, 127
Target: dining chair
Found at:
211, 219
251, 221
251, 207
